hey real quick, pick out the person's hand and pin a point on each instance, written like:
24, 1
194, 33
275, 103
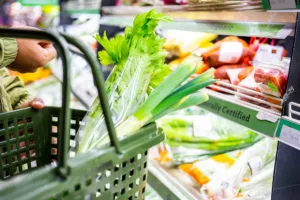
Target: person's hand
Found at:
36, 103
32, 54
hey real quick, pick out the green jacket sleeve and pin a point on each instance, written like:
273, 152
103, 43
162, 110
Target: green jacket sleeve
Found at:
12, 90
13, 93
8, 51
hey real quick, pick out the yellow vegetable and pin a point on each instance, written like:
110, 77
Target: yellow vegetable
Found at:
41, 73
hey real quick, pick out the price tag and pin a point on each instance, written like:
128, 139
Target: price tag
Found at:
283, 33
230, 52
201, 126
261, 115
290, 136
268, 53
282, 4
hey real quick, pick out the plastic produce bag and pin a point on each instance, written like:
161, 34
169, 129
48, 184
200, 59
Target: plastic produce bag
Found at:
192, 133
224, 72
268, 79
239, 74
271, 81
260, 185
251, 162
203, 170
181, 44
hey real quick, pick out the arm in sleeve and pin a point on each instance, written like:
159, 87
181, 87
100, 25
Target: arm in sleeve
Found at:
8, 51
15, 89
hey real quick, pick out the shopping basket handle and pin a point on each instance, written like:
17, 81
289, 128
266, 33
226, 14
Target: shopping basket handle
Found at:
99, 82
64, 126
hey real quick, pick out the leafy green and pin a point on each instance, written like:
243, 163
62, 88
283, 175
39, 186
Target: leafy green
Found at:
138, 57
141, 88
158, 77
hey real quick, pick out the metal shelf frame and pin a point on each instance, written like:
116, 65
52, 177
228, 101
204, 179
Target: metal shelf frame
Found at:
250, 23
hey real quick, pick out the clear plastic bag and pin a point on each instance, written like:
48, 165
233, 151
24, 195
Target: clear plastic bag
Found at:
193, 133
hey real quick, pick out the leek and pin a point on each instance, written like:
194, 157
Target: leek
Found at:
141, 88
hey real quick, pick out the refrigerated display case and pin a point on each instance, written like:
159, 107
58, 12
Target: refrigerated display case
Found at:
281, 123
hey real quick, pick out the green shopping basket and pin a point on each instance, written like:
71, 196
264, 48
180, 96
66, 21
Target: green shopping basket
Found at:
31, 140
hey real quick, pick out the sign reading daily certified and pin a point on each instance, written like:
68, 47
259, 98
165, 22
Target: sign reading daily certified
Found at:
38, 2
283, 4
233, 112
245, 116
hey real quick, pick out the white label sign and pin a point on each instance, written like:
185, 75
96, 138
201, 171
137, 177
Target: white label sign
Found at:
283, 4
230, 52
261, 115
268, 53
290, 136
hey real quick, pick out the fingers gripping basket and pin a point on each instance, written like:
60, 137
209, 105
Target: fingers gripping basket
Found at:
31, 140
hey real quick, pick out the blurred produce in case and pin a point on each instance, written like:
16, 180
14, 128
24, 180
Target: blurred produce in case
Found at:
194, 133
257, 68
222, 159
41, 73
15, 14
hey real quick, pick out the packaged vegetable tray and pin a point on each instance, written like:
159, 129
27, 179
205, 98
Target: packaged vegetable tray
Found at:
32, 140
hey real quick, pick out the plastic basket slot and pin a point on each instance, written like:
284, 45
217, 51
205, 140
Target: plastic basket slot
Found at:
54, 119
108, 173
117, 167
88, 182
130, 186
54, 140
144, 177
54, 129
65, 193
73, 132
123, 177
123, 190
139, 156
98, 193
72, 143
77, 187
116, 181
107, 187
131, 173
28, 119
29, 129
136, 195
53, 151
137, 181
132, 160
99, 176
116, 195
